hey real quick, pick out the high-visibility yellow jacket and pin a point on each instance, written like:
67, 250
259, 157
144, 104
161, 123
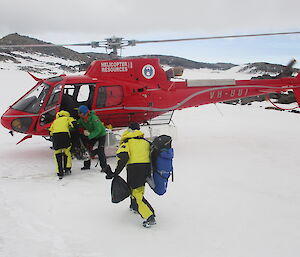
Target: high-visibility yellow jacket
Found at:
60, 130
138, 149
134, 152
62, 123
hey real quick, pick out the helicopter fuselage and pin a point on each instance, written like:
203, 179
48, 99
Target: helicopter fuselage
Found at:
124, 91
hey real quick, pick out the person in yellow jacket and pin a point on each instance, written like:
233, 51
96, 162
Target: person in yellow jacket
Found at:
134, 153
60, 132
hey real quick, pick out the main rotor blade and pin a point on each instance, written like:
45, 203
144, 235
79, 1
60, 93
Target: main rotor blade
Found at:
215, 37
51, 45
118, 43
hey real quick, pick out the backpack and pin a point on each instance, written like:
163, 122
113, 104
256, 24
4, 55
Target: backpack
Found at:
161, 155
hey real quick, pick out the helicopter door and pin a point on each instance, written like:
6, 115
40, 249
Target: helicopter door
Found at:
109, 96
52, 106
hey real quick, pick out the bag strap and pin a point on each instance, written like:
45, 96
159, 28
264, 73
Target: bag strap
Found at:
163, 176
127, 139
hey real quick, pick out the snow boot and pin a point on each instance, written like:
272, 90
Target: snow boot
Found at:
133, 205
86, 165
149, 222
68, 171
60, 175
133, 210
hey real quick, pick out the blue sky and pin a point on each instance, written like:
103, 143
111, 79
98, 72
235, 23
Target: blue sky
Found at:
273, 49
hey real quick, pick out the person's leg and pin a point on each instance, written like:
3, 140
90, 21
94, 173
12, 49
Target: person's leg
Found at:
149, 205
86, 165
89, 146
133, 205
144, 209
68, 160
58, 156
68, 163
101, 152
75, 140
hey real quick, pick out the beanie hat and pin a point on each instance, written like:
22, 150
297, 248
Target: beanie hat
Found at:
83, 109
134, 126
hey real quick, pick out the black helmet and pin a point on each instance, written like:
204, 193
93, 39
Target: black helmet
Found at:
134, 126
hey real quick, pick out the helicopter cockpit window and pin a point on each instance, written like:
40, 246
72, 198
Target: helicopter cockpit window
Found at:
33, 101
54, 97
109, 96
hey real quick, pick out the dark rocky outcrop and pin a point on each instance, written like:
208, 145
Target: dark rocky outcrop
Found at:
264, 67
57, 51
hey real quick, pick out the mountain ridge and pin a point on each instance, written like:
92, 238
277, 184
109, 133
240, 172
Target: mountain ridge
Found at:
75, 61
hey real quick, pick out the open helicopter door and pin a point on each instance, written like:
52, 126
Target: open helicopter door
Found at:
48, 113
65, 97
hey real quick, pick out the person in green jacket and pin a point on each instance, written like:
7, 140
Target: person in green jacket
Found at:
94, 131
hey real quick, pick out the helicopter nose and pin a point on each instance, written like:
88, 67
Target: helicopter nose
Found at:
20, 124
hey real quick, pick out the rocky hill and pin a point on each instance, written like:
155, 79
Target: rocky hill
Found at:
57, 51
264, 67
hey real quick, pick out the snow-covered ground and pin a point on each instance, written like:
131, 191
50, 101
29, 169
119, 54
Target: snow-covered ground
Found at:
236, 191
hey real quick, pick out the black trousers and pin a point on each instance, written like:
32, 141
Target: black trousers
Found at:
89, 143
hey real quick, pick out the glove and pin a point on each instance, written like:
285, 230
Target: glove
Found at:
110, 175
86, 133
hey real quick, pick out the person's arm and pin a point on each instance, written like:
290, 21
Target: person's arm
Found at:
72, 123
123, 157
51, 129
80, 123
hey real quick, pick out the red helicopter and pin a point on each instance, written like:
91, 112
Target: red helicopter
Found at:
121, 91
